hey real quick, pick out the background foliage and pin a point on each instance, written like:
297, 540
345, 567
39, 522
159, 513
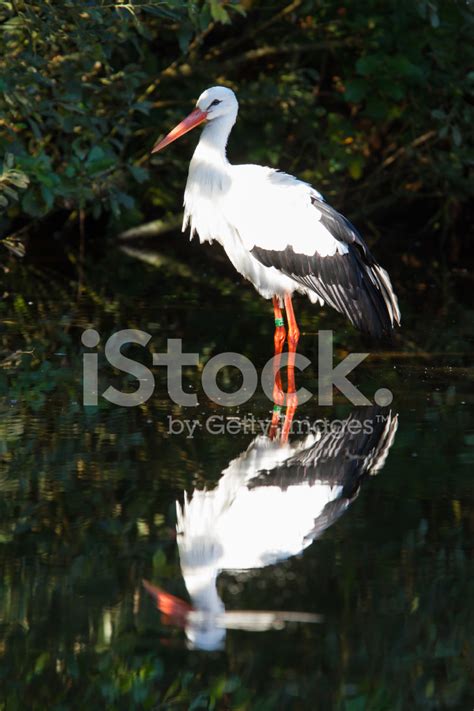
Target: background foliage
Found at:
370, 101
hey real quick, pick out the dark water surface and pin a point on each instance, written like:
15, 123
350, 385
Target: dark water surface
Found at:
88, 509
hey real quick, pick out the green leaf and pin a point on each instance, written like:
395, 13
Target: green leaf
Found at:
376, 108
95, 154
159, 562
359, 703
199, 702
41, 662
126, 200
355, 167
456, 134
218, 12
395, 91
18, 179
240, 9
78, 148
114, 206
96, 210
400, 66
434, 17
140, 174
368, 65
31, 204
48, 196
98, 160
9, 192
184, 36
356, 90
144, 107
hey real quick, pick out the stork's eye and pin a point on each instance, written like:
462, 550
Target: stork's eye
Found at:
215, 103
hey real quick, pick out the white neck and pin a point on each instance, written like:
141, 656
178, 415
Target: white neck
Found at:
209, 177
201, 586
213, 142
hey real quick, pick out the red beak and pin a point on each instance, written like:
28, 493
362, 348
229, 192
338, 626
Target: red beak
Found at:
194, 119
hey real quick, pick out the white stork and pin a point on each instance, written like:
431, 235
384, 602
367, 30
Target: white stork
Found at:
270, 503
278, 231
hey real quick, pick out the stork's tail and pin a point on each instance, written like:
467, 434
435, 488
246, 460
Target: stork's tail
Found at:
377, 312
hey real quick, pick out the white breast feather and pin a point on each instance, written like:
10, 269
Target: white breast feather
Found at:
203, 204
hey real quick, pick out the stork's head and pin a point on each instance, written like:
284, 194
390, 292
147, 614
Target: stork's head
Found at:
214, 103
204, 632
217, 101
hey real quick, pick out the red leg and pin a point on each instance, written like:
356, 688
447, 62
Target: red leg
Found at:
293, 338
279, 341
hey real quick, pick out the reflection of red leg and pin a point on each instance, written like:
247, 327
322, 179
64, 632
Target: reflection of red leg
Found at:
293, 338
291, 405
279, 341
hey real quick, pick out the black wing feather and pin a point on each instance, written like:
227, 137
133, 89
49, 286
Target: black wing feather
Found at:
341, 457
353, 283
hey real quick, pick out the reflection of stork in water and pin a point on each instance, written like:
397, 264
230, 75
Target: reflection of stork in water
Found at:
270, 503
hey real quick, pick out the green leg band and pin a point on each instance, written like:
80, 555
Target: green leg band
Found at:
279, 322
